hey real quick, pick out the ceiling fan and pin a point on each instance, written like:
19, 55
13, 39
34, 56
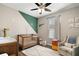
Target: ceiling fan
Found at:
41, 7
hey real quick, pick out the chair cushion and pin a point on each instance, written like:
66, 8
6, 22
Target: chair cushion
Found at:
66, 49
69, 45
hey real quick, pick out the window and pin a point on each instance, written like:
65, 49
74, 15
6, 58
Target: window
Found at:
51, 25
52, 33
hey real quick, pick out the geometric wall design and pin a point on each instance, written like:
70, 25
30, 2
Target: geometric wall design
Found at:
33, 21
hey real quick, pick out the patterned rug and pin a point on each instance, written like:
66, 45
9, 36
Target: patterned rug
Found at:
40, 51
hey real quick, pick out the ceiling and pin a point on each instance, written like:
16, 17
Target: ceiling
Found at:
25, 7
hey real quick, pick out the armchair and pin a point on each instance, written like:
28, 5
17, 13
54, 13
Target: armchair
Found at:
69, 47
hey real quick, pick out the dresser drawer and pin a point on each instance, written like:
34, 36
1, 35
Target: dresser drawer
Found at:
9, 48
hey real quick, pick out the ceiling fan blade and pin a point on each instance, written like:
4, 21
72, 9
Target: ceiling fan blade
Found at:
37, 4
34, 9
47, 4
46, 9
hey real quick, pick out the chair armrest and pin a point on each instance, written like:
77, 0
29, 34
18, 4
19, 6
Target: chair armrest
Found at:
74, 47
76, 50
61, 43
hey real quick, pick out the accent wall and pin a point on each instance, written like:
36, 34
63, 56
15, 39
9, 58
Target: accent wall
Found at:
14, 21
33, 21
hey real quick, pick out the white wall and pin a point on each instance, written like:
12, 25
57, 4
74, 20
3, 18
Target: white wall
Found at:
43, 30
64, 18
12, 19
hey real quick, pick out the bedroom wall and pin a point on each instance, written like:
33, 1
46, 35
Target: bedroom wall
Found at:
13, 20
64, 18
43, 30
33, 21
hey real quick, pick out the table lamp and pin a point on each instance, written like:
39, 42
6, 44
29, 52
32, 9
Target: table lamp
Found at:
5, 32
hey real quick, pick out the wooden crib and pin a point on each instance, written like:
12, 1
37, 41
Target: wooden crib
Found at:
27, 40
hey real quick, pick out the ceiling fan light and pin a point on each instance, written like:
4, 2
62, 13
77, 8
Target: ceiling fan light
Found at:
41, 10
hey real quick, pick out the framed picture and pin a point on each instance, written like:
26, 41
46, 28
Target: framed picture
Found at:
76, 19
74, 22
71, 20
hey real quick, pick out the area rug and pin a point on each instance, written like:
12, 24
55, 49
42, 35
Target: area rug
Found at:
39, 51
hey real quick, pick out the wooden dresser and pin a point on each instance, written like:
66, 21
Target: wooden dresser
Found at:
8, 45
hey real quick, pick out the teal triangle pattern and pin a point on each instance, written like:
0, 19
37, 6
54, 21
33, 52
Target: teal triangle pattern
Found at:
33, 21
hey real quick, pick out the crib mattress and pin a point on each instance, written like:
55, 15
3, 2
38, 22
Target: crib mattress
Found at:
39, 51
